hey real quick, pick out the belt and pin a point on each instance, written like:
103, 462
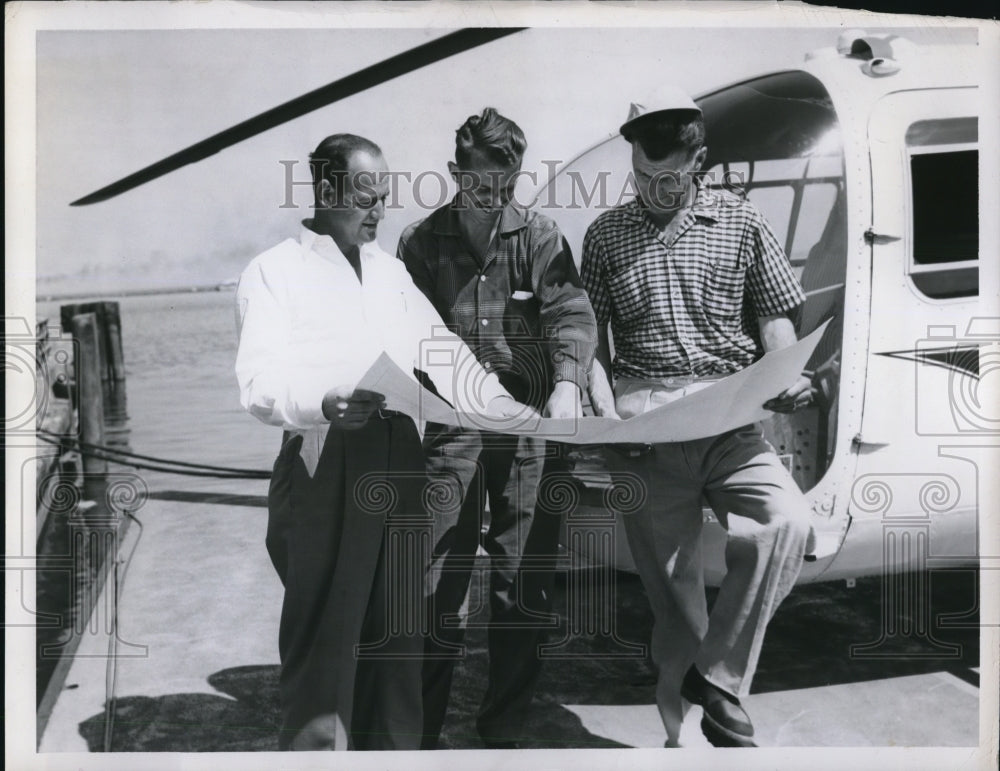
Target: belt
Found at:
631, 450
672, 381
686, 380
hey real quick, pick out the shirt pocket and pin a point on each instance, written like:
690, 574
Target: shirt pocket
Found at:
521, 317
630, 293
390, 303
722, 298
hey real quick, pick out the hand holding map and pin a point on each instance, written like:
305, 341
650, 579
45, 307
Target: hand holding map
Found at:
727, 404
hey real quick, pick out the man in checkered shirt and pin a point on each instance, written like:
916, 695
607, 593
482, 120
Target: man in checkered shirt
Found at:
695, 286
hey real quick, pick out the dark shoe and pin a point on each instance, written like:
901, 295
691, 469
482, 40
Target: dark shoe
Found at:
725, 724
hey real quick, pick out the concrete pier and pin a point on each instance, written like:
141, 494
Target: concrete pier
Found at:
198, 660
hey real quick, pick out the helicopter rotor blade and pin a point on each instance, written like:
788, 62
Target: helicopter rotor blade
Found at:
376, 74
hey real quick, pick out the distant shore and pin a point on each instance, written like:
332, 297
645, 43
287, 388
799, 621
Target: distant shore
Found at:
112, 294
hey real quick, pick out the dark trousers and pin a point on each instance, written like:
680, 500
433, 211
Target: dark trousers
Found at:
333, 507
467, 468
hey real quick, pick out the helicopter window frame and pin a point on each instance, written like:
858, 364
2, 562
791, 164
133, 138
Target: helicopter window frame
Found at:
797, 145
790, 231
926, 276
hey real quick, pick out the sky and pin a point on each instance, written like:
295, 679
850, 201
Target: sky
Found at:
111, 102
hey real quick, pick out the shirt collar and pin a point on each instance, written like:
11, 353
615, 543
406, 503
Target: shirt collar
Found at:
324, 245
445, 220
512, 219
706, 202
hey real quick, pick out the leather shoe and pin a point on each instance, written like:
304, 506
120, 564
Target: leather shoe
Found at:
724, 722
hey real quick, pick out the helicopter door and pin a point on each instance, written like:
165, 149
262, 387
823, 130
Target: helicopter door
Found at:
924, 338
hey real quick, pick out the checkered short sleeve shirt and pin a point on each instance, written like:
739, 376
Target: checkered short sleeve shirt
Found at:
687, 304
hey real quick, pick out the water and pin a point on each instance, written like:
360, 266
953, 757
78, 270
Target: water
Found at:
183, 400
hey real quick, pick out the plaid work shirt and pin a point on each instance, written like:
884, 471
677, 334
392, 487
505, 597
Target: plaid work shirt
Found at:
687, 305
522, 310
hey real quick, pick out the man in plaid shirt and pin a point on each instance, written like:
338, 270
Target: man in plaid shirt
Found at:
504, 280
695, 285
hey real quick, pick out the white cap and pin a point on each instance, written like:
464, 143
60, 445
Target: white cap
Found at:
666, 99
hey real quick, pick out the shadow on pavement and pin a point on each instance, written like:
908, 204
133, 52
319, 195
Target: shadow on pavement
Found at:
224, 499
809, 641
808, 646
198, 722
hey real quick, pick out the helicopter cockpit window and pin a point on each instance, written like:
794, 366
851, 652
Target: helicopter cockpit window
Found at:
944, 234
777, 140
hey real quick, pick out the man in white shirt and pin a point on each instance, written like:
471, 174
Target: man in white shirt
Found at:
313, 314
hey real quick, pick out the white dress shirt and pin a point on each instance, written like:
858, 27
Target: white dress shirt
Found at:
306, 324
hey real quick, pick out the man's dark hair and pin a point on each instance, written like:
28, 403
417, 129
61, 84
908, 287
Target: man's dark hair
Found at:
332, 156
663, 133
491, 133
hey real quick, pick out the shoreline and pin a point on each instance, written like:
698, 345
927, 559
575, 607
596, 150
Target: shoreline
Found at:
117, 294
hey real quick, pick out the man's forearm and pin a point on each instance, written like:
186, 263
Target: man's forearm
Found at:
573, 331
602, 396
571, 355
602, 353
776, 332
565, 309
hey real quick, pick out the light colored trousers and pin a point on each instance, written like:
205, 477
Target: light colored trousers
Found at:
739, 473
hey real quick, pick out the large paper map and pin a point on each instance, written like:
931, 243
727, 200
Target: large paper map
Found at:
726, 404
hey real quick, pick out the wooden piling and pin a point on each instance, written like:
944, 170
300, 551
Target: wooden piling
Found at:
90, 399
111, 364
80, 544
116, 360
115, 417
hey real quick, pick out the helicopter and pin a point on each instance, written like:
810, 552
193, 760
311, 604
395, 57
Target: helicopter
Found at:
864, 158
857, 158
